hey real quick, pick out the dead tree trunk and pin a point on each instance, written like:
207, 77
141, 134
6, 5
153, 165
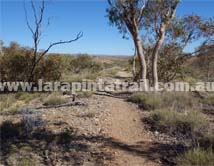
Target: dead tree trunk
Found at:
36, 31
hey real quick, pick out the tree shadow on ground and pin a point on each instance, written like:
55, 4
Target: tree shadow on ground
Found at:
68, 147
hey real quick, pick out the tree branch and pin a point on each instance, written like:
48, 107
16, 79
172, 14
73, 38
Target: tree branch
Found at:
26, 18
141, 10
79, 35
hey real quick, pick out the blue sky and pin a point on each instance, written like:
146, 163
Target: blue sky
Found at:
68, 17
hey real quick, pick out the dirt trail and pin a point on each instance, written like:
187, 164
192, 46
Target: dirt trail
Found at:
125, 125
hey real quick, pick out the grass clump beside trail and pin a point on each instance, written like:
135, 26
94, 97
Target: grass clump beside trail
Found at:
207, 140
147, 101
90, 114
55, 99
209, 100
11, 102
181, 125
196, 157
26, 96
84, 94
6, 101
176, 100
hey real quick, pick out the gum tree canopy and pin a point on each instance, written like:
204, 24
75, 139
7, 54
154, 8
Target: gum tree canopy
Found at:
136, 17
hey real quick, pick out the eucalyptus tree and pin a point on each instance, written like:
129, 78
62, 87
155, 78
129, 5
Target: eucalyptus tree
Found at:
127, 16
138, 17
158, 17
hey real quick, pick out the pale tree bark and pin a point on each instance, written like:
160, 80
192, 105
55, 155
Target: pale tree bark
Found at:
208, 72
155, 55
161, 35
128, 15
141, 56
134, 63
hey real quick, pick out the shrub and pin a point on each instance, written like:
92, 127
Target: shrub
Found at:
209, 100
50, 68
189, 125
25, 161
25, 96
196, 157
9, 130
179, 101
207, 140
147, 101
12, 109
90, 114
6, 101
31, 120
16, 64
84, 94
84, 62
80, 77
54, 100
174, 100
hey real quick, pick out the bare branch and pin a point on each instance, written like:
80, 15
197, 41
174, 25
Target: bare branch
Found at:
34, 11
26, 18
37, 35
79, 35
41, 13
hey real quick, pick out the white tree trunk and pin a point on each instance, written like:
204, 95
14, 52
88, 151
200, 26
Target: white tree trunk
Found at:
141, 56
155, 56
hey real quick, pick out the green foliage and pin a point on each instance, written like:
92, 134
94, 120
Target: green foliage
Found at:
196, 157
16, 64
84, 94
172, 100
207, 140
84, 63
148, 101
209, 100
26, 96
26, 161
54, 100
50, 68
179, 124
6, 101
90, 114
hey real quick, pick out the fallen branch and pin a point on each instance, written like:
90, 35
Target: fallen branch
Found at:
76, 103
115, 95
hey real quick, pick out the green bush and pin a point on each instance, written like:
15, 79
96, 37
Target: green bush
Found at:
209, 100
179, 101
84, 62
207, 140
174, 100
84, 94
189, 125
25, 96
90, 114
6, 101
196, 157
148, 101
50, 68
54, 100
16, 64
